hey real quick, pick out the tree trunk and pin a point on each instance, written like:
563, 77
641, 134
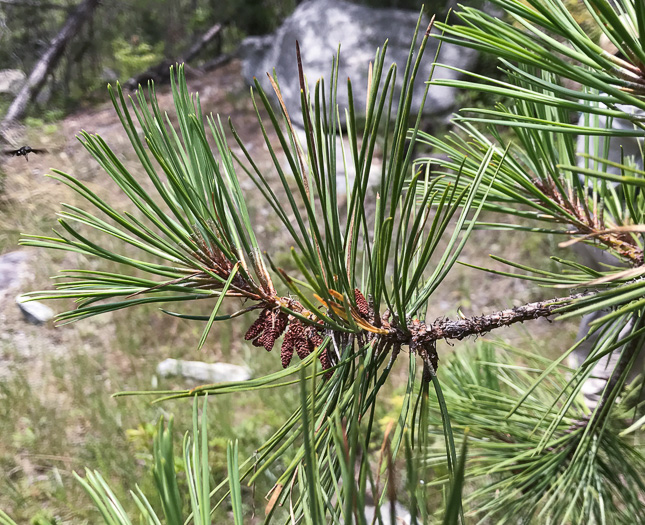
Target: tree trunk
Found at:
203, 41
36, 4
161, 72
49, 60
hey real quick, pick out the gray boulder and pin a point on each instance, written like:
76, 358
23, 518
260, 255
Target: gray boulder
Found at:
402, 515
321, 25
12, 80
13, 267
203, 372
33, 311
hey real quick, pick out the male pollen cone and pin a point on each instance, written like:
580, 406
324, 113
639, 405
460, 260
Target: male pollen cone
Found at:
361, 304
325, 362
258, 325
274, 329
298, 338
300, 343
286, 351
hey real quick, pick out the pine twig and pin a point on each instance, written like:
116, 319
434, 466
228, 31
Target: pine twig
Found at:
424, 334
420, 337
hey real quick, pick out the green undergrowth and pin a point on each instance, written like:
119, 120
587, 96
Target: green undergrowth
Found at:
67, 421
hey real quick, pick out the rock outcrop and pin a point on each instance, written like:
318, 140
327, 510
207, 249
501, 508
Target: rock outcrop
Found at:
321, 25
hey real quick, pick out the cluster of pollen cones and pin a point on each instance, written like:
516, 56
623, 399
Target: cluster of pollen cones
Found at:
298, 337
272, 323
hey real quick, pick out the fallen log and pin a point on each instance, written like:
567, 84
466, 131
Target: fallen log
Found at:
206, 39
48, 61
219, 61
160, 73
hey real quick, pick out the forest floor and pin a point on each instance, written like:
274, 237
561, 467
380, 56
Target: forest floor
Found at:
56, 410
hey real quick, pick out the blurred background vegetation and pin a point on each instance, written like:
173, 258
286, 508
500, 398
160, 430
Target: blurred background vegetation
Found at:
128, 36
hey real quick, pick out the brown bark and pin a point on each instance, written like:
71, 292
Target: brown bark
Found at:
49, 60
478, 325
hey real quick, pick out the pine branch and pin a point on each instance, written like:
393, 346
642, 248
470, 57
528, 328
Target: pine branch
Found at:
461, 328
420, 337
591, 224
